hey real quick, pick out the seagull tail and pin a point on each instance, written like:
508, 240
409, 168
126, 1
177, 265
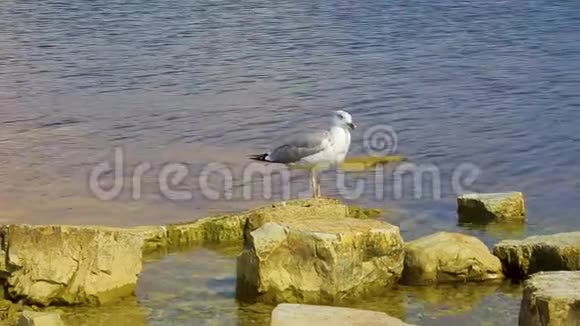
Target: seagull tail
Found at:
260, 157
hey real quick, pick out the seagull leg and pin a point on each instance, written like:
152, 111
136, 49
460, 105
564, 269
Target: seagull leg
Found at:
317, 189
313, 182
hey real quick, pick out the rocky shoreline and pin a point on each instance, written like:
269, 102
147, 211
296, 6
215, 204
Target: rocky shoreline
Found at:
302, 251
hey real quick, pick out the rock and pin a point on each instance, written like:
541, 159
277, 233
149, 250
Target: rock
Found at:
551, 299
446, 257
9, 312
492, 207
71, 264
230, 228
319, 260
521, 258
33, 318
304, 210
363, 213
308, 315
154, 238
212, 230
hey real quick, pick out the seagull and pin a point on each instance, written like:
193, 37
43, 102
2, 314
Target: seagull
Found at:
314, 150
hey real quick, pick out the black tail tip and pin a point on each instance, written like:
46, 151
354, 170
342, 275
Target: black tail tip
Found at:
259, 157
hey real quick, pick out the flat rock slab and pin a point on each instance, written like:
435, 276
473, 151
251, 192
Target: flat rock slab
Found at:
485, 208
521, 258
234, 227
446, 257
310, 315
551, 299
70, 264
33, 318
291, 211
319, 260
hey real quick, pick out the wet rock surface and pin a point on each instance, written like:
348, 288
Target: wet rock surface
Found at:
551, 299
484, 208
319, 260
449, 257
311, 315
70, 265
521, 258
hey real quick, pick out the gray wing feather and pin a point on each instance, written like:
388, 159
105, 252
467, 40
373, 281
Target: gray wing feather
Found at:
301, 146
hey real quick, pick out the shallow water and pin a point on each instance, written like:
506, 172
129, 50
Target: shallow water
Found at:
198, 288
494, 84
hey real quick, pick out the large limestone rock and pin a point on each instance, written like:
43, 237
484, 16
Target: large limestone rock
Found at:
491, 207
233, 227
521, 258
551, 299
319, 260
309, 315
69, 264
33, 318
449, 257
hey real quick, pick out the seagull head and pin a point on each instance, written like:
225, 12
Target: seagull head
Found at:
343, 119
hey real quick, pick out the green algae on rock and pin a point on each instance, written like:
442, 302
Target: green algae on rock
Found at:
218, 229
70, 264
551, 298
446, 257
521, 258
491, 207
363, 213
319, 260
154, 238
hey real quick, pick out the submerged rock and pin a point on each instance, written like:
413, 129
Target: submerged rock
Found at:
70, 264
491, 207
319, 260
521, 258
365, 163
551, 299
33, 318
446, 257
309, 315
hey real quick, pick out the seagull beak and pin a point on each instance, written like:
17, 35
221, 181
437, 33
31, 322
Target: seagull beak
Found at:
351, 126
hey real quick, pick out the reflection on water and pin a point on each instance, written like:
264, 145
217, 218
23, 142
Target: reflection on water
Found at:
198, 288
